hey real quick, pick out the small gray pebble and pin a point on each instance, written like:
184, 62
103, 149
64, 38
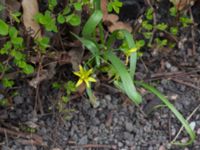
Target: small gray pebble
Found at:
5, 147
1, 96
108, 97
129, 126
150, 148
96, 121
18, 100
128, 136
30, 148
174, 69
83, 140
18, 112
12, 115
103, 103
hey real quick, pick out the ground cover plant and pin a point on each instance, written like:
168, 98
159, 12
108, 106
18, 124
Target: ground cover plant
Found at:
77, 45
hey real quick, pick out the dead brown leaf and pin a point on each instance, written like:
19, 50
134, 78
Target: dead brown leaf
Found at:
30, 9
120, 25
112, 20
44, 74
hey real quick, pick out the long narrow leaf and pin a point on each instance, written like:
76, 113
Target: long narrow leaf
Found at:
91, 46
92, 23
127, 81
131, 44
174, 110
133, 57
97, 4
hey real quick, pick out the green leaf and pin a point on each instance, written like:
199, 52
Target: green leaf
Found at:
56, 85
174, 110
78, 6
147, 25
17, 55
174, 30
47, 21
161, 26
52, 4
17, 41
7, 83
91, 46
73, 19
43, 43
4, 28
130, 43
66, 10
15, 16
61, 19
114, 5
92, 23
109, 7
127, 81
173, 11
4, 102
149, 14
28, 69
13, 32
6, 48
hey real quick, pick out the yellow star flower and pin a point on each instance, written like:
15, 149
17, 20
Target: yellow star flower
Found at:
84, 76
129, 52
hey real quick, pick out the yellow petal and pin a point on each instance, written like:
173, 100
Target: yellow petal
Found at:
87, 84
90, 71
81, 69
80, 81
90, 79
132, 50
77, 74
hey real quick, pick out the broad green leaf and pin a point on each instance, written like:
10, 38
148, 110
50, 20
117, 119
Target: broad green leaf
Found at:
174, 110
3, 28
92, 23
127, 81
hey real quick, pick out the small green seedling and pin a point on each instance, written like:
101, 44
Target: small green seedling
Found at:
47, 21
114, 5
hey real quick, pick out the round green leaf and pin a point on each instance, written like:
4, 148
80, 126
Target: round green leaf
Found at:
74, 20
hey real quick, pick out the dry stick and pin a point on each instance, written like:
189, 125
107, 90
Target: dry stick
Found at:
185, 83
6, 137
170, 75
37, 99
34, 137
192, 33
188, 118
